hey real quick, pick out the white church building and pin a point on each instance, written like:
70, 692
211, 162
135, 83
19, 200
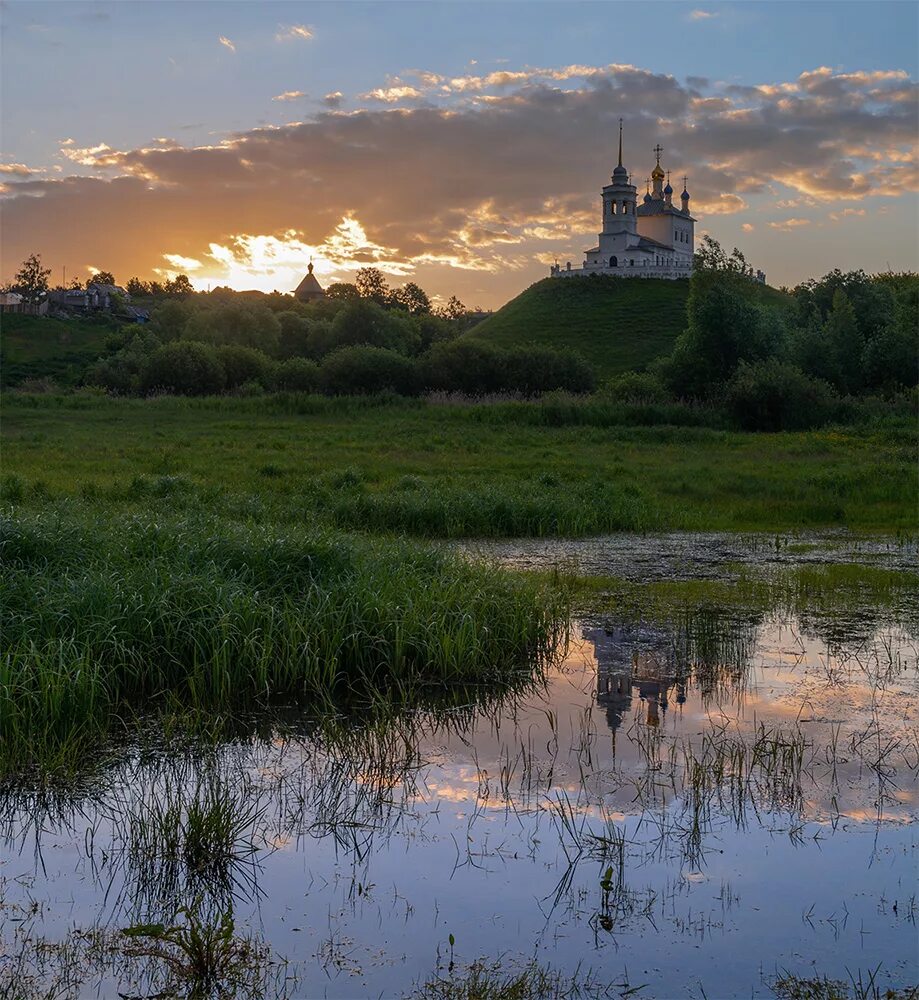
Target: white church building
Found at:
653, 239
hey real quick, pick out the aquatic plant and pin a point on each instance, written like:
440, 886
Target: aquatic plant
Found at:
107, 615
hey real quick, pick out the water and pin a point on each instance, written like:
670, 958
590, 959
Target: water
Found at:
685, 807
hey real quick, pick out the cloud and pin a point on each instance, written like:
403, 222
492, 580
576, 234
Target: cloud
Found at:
390, 95
847, 213
227, 43
290, 95
701, 15
748, 227
788, 225
19, 169
469, 184
294, 32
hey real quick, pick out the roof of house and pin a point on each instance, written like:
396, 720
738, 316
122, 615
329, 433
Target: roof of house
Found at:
309, 288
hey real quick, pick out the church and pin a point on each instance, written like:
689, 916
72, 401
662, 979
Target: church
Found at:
650, 240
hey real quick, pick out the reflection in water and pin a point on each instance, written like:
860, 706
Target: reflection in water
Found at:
693, 788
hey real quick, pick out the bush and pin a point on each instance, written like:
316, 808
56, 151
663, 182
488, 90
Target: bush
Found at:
533, 369
243, 364
296, 375
243, 323
473, 367
636, 387
365, 369
183, 367
771, 396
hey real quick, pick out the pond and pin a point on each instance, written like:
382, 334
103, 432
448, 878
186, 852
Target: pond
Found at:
686, 804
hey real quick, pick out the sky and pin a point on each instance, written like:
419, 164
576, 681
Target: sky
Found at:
459, 145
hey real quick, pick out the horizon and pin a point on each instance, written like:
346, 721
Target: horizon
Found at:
463, 148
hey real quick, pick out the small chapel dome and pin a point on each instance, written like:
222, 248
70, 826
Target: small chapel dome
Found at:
658, 171
620, 172
668, 189
647, 197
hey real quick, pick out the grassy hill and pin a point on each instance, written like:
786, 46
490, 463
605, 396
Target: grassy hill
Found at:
617, 324
38, 347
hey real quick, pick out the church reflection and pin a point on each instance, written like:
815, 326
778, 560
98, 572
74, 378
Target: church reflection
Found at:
633, 662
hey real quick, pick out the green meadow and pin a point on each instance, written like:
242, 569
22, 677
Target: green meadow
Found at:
445, 470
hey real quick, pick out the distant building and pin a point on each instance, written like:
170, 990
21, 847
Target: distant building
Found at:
13, 302
94, 296
652, 240
309, 290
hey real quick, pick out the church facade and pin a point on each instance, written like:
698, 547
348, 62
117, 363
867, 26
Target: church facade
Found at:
653, 239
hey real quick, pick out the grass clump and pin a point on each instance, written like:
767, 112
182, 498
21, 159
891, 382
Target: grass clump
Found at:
106, 615
483, 981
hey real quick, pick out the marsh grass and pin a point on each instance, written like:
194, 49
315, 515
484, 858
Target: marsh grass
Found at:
106, 616
491, 981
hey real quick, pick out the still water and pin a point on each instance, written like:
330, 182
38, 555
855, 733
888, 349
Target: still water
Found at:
689, 808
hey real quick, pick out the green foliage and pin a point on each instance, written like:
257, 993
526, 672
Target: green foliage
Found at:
121, 372
242, 365
771, 396
724, 326
635, 387
364, 321
296, 375
237, 322
183, 367
366, 369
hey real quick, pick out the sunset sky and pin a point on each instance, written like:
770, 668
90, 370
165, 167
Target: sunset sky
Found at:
459, 145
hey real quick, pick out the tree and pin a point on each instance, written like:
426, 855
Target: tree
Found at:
711, 257
371, 284
771, 396
179, 285
343, 290
454, 309
412, 298
137, 287
365, 370
185, 368
101, 278
844, 342
31, 280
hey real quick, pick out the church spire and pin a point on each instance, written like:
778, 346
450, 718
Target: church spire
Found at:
620, 142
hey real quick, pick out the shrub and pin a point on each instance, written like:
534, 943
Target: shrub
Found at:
296, 375
533, 369
636, 387
365, 369
470, 366
185, 368
771, 396
243, 364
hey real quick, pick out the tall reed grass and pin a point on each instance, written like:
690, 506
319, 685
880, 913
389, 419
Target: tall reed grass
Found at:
106, 615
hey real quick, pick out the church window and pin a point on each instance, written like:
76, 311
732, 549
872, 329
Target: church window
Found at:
613, 262
632, 263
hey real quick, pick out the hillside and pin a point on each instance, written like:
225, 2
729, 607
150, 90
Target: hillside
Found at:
617, 324
38, 347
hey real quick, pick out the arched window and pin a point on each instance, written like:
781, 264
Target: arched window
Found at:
632, 262
613, 261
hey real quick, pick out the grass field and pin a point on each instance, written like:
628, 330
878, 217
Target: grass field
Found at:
38, 347
619, 325
440, 470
